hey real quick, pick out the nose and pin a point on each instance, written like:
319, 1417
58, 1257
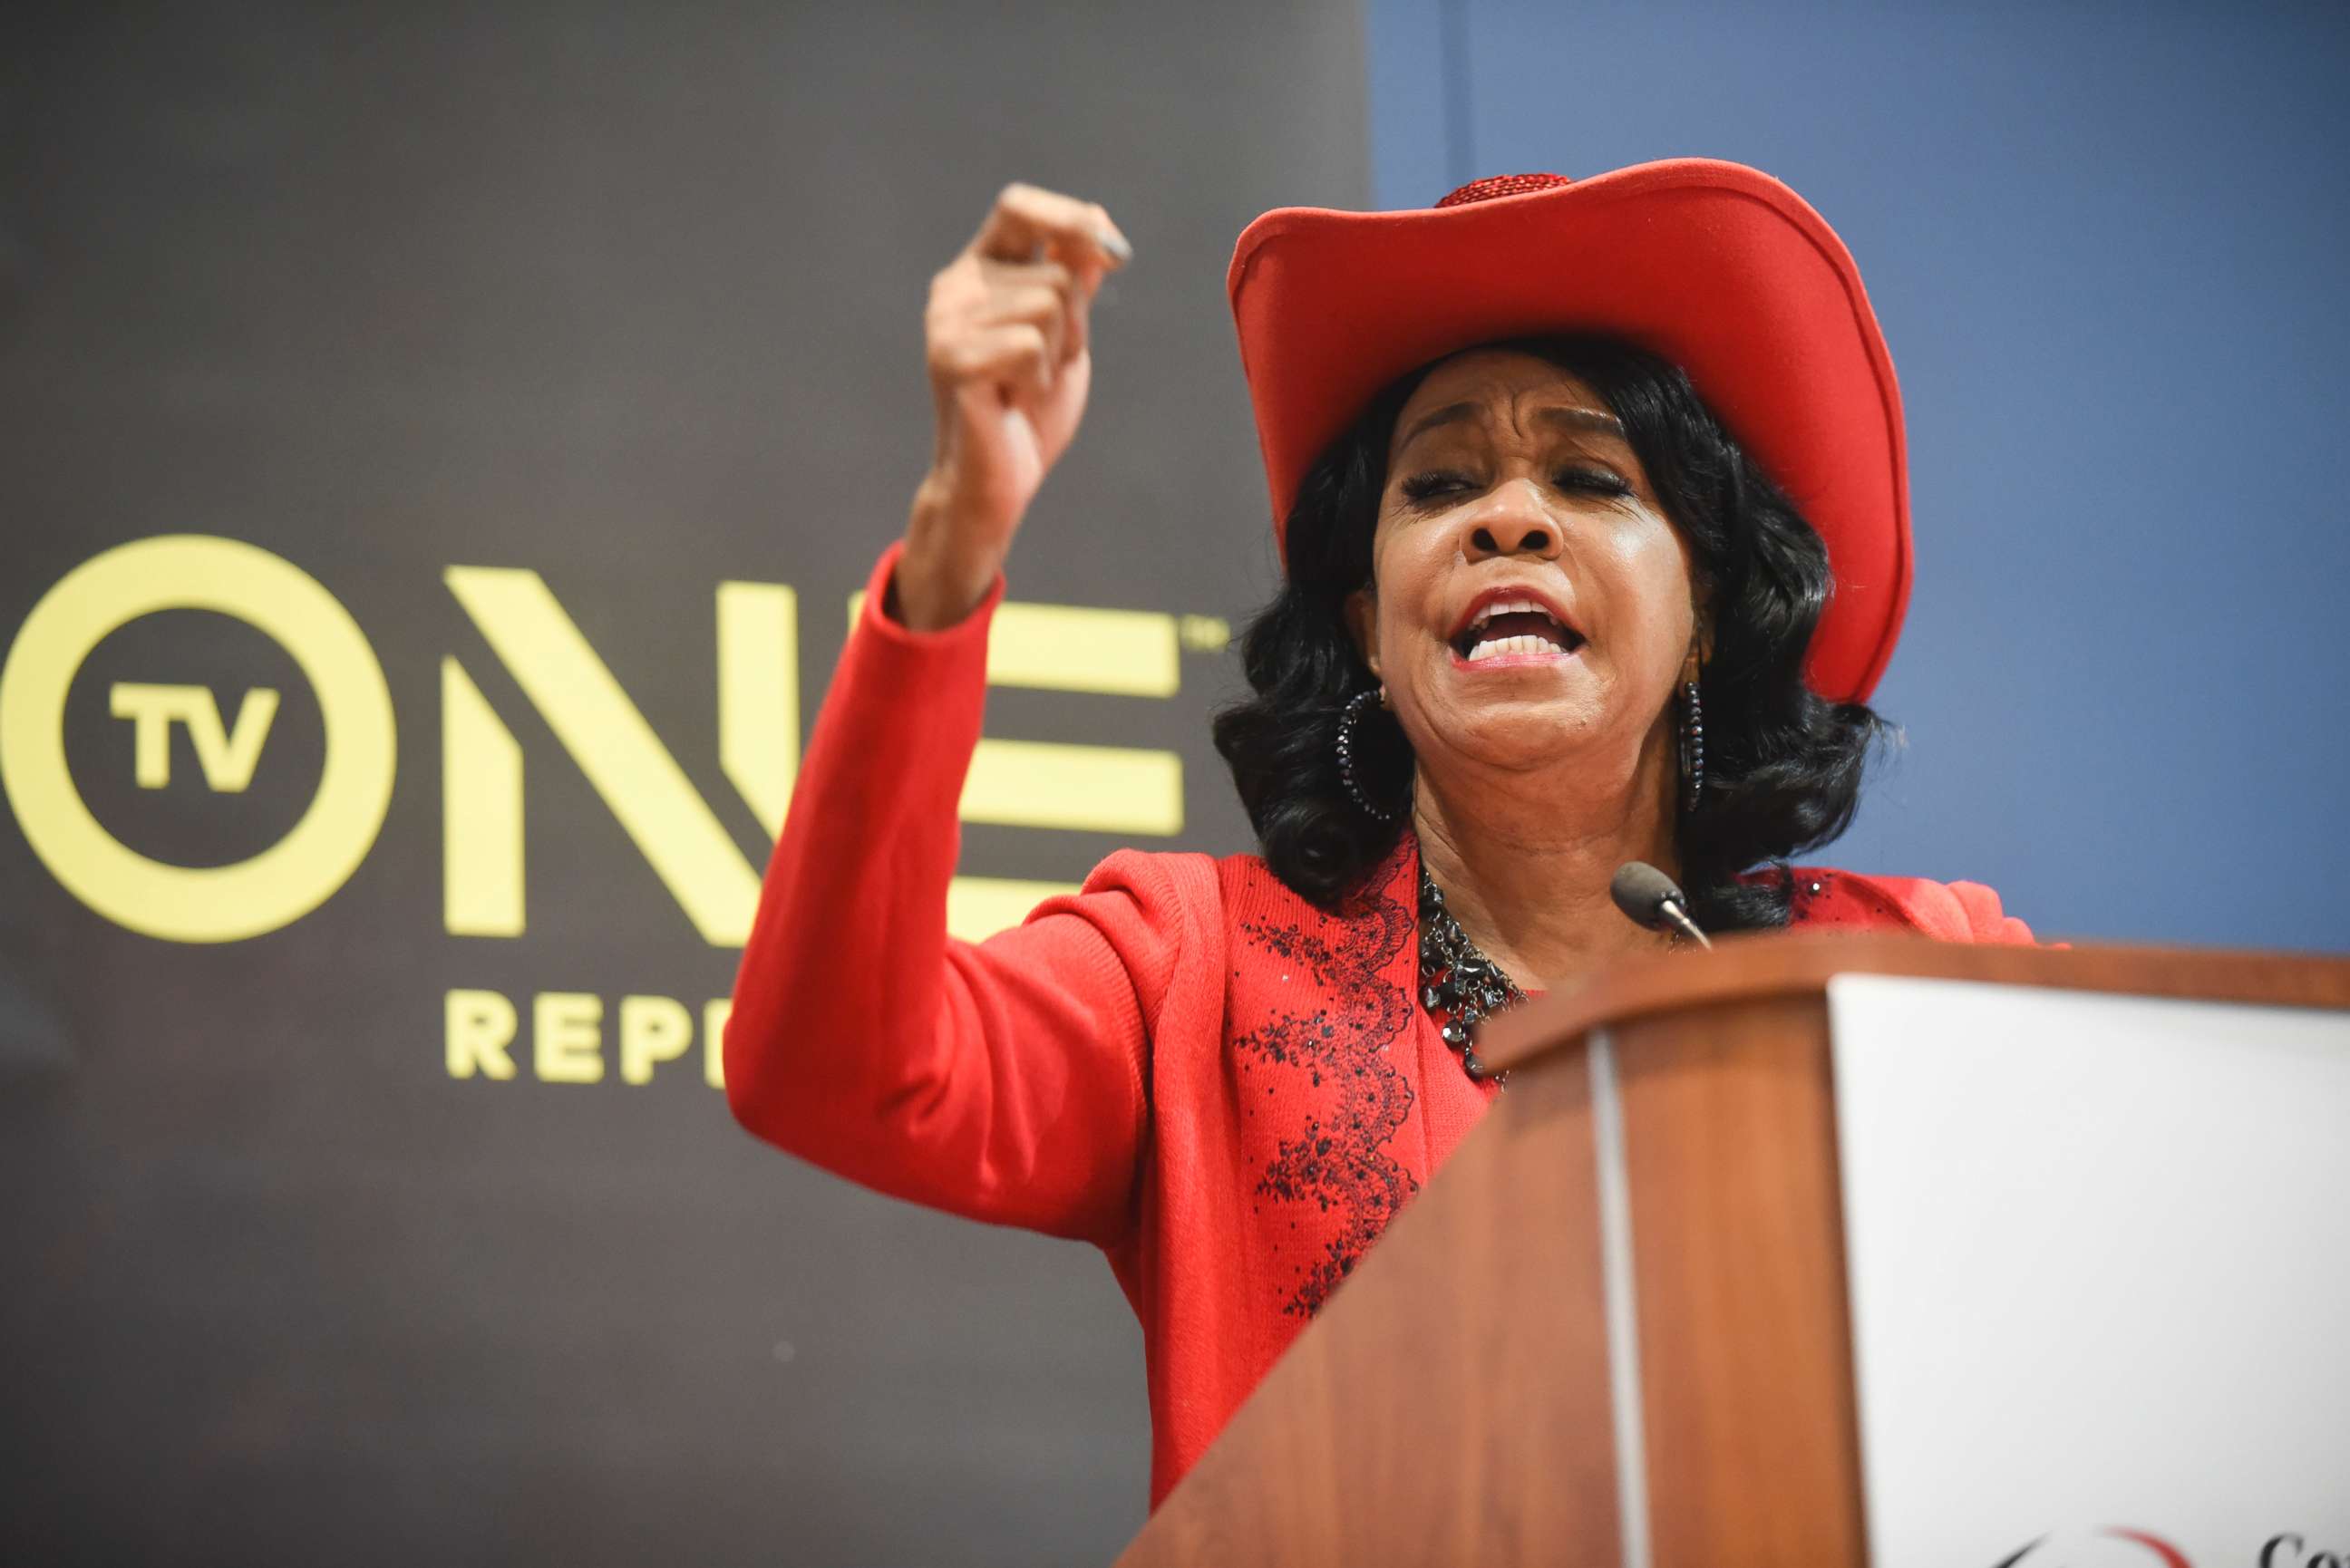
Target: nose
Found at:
1512, 522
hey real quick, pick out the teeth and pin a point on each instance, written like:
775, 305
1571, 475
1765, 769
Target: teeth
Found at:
1494, 646
1511, 607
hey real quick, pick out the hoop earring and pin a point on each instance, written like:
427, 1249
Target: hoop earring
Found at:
1692, 747
1346, 755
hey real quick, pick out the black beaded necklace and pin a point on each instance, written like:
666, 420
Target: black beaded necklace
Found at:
1457, 980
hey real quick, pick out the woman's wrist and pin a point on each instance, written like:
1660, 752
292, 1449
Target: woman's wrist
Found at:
942, 574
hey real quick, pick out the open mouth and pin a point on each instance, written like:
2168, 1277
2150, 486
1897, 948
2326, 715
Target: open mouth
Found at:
1514, 626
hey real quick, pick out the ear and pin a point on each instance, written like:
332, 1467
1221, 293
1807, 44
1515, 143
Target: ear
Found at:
1362, 624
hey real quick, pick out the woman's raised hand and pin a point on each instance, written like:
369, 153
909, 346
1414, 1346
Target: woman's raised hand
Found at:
1007, 341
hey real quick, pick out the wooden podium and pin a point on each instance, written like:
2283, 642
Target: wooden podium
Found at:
1615, 1328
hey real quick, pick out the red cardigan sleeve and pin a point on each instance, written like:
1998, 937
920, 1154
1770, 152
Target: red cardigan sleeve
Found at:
1947, 911
1001, 1080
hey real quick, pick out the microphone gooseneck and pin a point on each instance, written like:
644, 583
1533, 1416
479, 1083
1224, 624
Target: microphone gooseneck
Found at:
1649, 898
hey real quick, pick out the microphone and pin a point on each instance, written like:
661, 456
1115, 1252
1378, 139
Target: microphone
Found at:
1647, 897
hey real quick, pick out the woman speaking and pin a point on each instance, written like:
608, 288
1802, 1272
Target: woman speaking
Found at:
1592, 511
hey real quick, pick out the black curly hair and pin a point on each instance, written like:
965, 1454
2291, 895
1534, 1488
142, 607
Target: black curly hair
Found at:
1782, 766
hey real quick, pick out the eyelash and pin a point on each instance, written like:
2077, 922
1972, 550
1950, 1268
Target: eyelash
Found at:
1422, 486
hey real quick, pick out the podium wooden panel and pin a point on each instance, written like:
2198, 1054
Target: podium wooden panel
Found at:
1455, 1403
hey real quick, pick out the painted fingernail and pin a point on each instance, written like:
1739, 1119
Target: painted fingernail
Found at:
1114, 245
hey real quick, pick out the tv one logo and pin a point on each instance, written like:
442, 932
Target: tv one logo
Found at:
615, 746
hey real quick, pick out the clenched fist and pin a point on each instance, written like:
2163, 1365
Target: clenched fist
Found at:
1007, 337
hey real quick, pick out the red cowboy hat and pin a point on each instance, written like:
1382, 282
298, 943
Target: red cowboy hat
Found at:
1716, 266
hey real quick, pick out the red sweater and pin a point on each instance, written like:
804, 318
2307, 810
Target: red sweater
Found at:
1227, 1090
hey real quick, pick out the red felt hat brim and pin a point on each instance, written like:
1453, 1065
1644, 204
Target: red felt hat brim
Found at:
1713, 265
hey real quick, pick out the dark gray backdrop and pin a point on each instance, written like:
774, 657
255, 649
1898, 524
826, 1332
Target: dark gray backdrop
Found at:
631, 295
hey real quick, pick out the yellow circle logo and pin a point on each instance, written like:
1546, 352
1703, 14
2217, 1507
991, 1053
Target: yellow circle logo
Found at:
181, 903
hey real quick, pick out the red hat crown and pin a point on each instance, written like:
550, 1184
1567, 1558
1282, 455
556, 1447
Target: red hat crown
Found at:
1494, 185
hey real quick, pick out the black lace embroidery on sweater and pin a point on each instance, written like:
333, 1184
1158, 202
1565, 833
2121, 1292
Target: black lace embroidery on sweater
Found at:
1342, 1163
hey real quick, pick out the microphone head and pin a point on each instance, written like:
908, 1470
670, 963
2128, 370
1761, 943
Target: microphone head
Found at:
1642, 891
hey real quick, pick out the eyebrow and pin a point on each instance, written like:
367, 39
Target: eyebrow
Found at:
1573, 418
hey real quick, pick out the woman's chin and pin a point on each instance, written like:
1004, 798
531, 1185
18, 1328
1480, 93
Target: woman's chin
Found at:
1518, 732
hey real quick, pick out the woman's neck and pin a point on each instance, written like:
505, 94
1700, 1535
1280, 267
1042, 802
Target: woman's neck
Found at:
1525, 860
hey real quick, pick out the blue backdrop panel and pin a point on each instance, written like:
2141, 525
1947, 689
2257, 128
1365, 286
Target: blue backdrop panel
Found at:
2108, 248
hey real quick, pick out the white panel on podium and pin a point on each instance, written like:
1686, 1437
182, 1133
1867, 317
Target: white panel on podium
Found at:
2099, 1251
